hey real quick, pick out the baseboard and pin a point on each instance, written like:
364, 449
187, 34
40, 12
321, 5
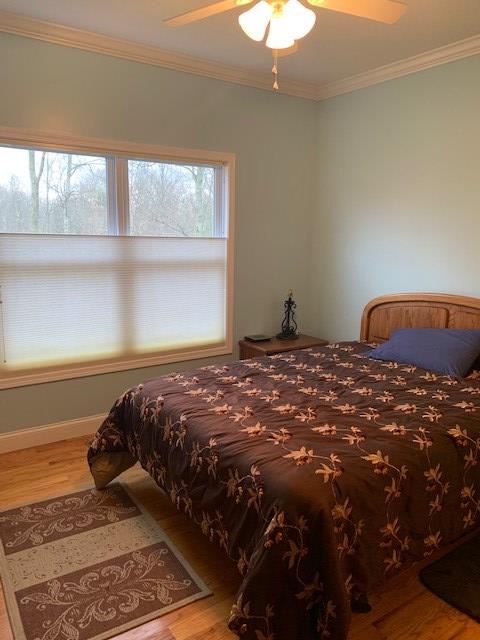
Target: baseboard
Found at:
36, 436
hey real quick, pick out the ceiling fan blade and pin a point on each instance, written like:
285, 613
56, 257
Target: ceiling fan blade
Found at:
205, 12
379, 10
282, 53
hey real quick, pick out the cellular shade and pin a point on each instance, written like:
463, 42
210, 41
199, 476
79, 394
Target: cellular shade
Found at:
81, 299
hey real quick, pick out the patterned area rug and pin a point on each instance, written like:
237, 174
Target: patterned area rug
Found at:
88, 566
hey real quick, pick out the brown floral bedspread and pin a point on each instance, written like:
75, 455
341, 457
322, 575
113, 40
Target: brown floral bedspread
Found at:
318, 472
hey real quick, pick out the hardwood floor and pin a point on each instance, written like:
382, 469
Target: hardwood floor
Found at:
403, 611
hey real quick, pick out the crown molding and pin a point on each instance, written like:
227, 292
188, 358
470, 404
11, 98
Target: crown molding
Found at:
434, 58
98, 43
119, 48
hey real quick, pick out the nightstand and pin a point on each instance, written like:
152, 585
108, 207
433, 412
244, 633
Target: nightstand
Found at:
269, 347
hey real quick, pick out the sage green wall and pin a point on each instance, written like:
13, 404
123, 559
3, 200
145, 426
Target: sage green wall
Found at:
398, 191
46, 86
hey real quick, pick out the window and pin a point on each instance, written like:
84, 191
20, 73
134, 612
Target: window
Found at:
172, 200
47, 192
111, 261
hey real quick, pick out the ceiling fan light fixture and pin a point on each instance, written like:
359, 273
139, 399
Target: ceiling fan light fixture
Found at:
254, 22
300, 19
279, 34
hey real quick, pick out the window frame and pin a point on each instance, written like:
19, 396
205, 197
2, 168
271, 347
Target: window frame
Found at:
120, 152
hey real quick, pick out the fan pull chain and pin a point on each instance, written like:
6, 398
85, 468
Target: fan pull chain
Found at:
2, 335
275, 71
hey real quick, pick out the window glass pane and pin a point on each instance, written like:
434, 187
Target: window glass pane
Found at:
171, 199
48, 192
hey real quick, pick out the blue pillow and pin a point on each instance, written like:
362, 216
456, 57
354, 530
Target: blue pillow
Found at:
448, 351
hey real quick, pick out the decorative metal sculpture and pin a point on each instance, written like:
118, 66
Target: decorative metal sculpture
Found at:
289, 326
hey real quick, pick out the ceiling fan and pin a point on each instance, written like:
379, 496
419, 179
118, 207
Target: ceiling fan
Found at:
289, 20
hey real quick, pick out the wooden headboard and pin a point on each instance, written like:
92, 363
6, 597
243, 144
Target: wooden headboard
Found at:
382, 316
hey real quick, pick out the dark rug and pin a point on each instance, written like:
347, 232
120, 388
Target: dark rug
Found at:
455, 578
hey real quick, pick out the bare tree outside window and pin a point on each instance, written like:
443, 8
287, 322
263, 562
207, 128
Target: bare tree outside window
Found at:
48, 192
171, 199
35, 179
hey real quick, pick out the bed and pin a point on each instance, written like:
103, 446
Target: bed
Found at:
319, 472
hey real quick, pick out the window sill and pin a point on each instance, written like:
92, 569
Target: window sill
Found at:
81, 371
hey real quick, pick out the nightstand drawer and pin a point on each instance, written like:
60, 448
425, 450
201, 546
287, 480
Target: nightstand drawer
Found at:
250, 349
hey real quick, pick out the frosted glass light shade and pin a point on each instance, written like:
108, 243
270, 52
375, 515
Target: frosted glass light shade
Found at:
279, 35
254, 22
299, 19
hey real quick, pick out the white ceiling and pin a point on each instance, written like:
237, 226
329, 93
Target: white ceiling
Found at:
340, 46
